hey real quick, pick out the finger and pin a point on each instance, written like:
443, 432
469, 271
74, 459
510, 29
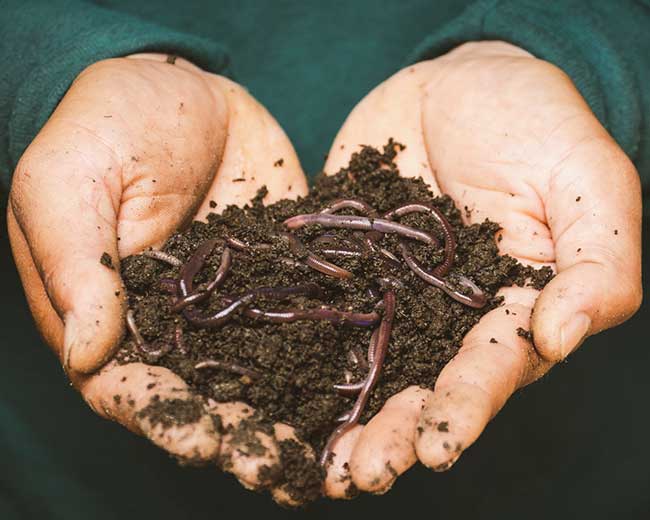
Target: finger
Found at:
69, 228
51, 326
257, 153
248, 448
594, 213
385, 448
494, 361
301, 475
154, 402
391, 110
338, 481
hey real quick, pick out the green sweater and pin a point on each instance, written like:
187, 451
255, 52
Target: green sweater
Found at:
327, 55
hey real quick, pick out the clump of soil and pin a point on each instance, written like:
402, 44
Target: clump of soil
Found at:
298, 363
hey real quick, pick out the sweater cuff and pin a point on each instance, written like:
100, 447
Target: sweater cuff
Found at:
569, 34
46, 84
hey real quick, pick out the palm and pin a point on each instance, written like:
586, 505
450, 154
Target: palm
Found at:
509, 138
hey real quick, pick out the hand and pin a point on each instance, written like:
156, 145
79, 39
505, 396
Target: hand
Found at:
508, 137
136, 149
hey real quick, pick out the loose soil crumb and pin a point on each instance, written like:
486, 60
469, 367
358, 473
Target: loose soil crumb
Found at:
526, 334
107, 260
298, 363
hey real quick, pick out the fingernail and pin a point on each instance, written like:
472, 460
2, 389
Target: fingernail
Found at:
573, 333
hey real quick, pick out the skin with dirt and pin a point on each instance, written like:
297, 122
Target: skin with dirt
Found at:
297, 364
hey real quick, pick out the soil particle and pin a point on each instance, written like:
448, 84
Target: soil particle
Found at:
107, 260
526, 334
298, 363
443, 426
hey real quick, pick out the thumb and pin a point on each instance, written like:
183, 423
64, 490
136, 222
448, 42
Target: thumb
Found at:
594, 212
65, 208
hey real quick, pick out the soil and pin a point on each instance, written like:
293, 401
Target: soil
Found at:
298, 363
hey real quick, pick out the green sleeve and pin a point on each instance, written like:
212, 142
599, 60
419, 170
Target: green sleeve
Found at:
45, 45
603, 45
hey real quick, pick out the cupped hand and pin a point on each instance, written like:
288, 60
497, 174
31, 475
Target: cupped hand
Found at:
138, 148
509, 138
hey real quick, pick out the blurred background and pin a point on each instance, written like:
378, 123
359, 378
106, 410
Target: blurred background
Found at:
573, 445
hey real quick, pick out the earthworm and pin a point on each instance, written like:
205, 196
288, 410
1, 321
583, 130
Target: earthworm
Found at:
372, 345
178, 338
358, 205
360, 223
236, 244
450, 240
336, 243
313, 261
340, 252
349, 389
362, 360
133, 328
240, 245
367, 241
342, 418
352, 417
230, 367
193, 266
221, 317
357, 319
232, 304
476, 299
152, 354
390, 257
163, 257
217, 281
169, 285
352, 389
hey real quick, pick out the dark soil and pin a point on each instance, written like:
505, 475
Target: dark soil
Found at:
299, 362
